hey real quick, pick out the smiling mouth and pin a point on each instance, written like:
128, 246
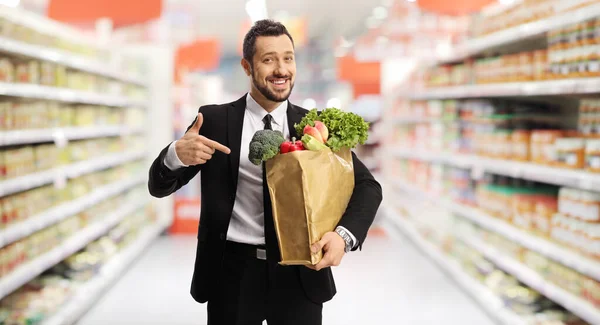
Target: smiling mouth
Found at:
280, 83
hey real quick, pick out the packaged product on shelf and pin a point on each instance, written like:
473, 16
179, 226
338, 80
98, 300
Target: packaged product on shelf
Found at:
592, 155
579, 204
570, 153
545, 208
46, 156
19, 161
520, 140
28, 72
591, 291
543, 150
7, 70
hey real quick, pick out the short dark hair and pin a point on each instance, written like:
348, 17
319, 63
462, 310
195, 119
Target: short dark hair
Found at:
265, 27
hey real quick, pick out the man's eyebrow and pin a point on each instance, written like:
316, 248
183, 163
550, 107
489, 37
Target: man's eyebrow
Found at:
274, 53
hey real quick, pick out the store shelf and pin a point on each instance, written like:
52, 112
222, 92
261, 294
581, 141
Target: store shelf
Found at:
89, 293
518, 34
576, 305
19, 137
513, 89
32, 269
542, 246
59, 174
64, 58
550, 175
485, 298
66, 95
56, 214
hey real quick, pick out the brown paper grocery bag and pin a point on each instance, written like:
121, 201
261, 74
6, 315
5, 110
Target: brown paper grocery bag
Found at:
309, 191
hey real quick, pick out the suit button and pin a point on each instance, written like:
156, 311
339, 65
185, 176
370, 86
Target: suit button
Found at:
222, 236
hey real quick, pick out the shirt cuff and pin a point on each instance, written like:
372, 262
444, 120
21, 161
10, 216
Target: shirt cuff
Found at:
171, 160
354, 243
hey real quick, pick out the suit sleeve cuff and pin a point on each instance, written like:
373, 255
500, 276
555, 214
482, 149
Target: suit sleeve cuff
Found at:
171, 160
354, 241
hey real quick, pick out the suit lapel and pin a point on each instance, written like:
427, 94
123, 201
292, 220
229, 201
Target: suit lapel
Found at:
294, 115
235, 124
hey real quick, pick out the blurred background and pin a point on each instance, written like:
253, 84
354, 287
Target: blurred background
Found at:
485, 135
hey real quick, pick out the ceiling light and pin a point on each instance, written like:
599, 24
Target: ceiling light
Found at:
257, 10
334, 102
506, 2
309, 103
411, 0
10, 3
380, 13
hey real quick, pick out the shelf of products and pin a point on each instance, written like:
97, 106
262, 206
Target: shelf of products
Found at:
512, 89
565, 63
13, 228
530, 19
501, 295
36, 36
550, 175
576, 305
485, 298
66, 59
59, 175
14, 277
72, 118
87, 294
63, 292
554, 250
533, 141
66, 95
61, 134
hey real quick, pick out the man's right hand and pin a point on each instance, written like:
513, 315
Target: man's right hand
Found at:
194, 149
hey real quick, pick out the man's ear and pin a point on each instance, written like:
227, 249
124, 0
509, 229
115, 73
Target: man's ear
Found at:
247, 67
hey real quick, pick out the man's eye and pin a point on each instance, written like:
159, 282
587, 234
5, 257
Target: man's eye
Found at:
289, 58
268, 60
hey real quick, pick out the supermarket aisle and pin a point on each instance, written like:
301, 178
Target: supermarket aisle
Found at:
406, 289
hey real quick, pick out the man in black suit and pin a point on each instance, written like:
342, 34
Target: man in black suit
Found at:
236, 269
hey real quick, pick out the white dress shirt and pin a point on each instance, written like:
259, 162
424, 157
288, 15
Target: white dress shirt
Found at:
247, 220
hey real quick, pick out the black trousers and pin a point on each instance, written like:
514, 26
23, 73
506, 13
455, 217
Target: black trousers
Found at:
253, 290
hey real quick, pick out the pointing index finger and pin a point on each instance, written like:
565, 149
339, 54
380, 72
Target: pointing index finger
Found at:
217, 146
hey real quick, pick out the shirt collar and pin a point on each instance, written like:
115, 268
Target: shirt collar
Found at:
259, 112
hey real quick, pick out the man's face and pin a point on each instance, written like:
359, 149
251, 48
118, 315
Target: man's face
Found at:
274, 67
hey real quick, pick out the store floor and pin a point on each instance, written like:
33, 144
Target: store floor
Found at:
389, 282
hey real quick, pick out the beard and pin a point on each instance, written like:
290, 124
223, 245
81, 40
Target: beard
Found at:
277, 97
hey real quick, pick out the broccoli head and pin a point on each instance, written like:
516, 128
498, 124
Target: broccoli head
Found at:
265, 145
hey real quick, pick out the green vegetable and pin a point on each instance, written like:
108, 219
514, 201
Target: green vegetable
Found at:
264, 145
311, 143
345, 129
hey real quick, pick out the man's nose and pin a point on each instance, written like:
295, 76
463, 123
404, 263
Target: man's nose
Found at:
280, 68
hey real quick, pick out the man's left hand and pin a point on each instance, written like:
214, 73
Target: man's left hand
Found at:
333, 246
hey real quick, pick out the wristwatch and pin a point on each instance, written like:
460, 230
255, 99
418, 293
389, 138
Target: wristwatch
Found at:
344, 234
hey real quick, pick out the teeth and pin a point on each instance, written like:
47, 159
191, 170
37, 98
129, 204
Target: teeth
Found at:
278, 82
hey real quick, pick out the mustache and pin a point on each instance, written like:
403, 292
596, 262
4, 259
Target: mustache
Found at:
279, 77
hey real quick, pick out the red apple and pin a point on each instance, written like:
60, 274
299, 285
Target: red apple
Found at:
313, 132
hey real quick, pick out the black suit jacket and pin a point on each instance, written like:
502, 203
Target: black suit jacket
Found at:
223, 123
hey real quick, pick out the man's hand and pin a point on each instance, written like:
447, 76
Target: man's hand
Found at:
333, 246
194, 149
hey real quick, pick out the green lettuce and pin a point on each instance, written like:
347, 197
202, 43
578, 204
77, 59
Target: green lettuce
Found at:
346, 130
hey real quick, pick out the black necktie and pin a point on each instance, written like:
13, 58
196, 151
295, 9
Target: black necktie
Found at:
270, 234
